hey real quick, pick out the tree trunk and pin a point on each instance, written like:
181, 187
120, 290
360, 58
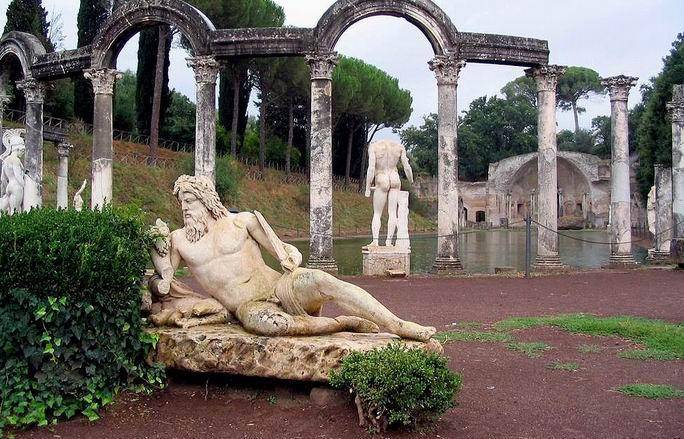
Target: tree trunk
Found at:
574, 112
157, 97
262, 128
236, 113
364, 161
290, 135
350, 143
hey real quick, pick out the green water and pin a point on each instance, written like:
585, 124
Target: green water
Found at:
482, 250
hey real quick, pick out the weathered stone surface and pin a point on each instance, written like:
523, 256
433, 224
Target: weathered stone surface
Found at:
378, 260
327, 397
230, 349
676, 109
206, 70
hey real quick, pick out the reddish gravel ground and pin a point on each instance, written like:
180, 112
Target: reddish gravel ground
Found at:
505, 394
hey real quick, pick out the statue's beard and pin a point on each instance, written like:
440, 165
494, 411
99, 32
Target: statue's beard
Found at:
196, 226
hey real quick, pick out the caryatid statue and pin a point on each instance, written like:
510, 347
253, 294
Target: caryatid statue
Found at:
222, 250
383, 158
12, 172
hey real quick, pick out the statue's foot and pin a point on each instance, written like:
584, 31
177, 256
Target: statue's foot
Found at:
357, 324
374, 243
414, 331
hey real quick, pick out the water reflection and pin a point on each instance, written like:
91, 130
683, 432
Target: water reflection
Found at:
482, 250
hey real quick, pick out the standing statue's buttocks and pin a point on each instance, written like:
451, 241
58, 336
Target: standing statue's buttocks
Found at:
383, 158
223, 252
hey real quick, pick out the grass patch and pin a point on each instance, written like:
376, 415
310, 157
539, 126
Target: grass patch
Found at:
532, 349
648, 354
589, 348
570, 367
651, 391
657, 335
475, 336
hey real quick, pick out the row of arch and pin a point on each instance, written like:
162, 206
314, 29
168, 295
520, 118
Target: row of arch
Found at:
208, 45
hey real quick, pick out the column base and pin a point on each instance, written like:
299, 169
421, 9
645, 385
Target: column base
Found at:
657, 257
447, 266
621, 260
547, 263
326, 264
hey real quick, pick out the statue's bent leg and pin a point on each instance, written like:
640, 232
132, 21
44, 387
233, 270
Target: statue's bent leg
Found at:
312, 286
267, 318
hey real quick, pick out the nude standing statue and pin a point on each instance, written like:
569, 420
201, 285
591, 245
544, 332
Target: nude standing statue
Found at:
12, 172
383, 157
223, 252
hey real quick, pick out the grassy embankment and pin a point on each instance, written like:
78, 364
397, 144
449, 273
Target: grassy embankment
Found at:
285, 205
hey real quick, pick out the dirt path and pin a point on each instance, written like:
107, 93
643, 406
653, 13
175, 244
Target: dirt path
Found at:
505, 393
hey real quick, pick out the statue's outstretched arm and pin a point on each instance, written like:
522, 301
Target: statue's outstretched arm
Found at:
288, 255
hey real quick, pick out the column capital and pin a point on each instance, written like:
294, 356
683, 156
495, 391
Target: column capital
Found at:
206, 68
676, 106
63, 149
447, 69
322, 64
103, 80
546, 77
618, 86
34, 91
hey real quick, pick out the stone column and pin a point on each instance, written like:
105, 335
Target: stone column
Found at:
676, 109
585, 206
447, 70
561, 201
63, 150
103, 146
34, 93
320, 190
546, 78
620, 201
206, 70
4, 99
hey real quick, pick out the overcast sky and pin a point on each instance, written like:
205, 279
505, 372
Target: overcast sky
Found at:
610, 36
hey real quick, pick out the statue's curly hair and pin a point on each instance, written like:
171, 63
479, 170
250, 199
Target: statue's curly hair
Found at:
203, 188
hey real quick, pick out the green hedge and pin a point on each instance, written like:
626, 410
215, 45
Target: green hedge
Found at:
399, 386
71, 333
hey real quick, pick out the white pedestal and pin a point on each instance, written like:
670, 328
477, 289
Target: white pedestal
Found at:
377, 260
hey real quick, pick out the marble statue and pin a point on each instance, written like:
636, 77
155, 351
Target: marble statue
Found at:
222, 250
78, 200
383, 158
12, 172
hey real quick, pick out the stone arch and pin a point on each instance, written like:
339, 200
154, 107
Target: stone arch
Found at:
134, 15
24, 47
424, 14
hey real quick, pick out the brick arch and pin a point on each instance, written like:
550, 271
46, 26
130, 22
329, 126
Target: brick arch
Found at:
24, 47
135, 15
424, 14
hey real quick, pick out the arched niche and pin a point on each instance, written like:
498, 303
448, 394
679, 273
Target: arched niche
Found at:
22, 47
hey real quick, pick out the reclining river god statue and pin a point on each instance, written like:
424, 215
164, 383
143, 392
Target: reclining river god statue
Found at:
222, 250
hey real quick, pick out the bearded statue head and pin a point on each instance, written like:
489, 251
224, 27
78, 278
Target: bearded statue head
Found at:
200, 202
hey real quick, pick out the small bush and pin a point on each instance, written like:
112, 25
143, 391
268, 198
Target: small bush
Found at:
397, 385
228, 176
70, 329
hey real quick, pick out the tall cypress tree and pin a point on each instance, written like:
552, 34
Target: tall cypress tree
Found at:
29, 16
91, 15
147, 65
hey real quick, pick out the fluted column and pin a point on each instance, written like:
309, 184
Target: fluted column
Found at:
206, 70
320, 191
4, 99
63, 150
103, 81
546, 78
620, 197
676, 109
447, 70
34, 92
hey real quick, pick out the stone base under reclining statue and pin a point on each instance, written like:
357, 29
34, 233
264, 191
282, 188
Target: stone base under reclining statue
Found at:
282, 334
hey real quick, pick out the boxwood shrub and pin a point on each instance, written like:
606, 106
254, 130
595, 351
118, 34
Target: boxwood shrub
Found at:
398, 386
71, 334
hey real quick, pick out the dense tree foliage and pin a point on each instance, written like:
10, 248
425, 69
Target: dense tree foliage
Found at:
654, 132
91, 15
576, 84
179, 122
29, 16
